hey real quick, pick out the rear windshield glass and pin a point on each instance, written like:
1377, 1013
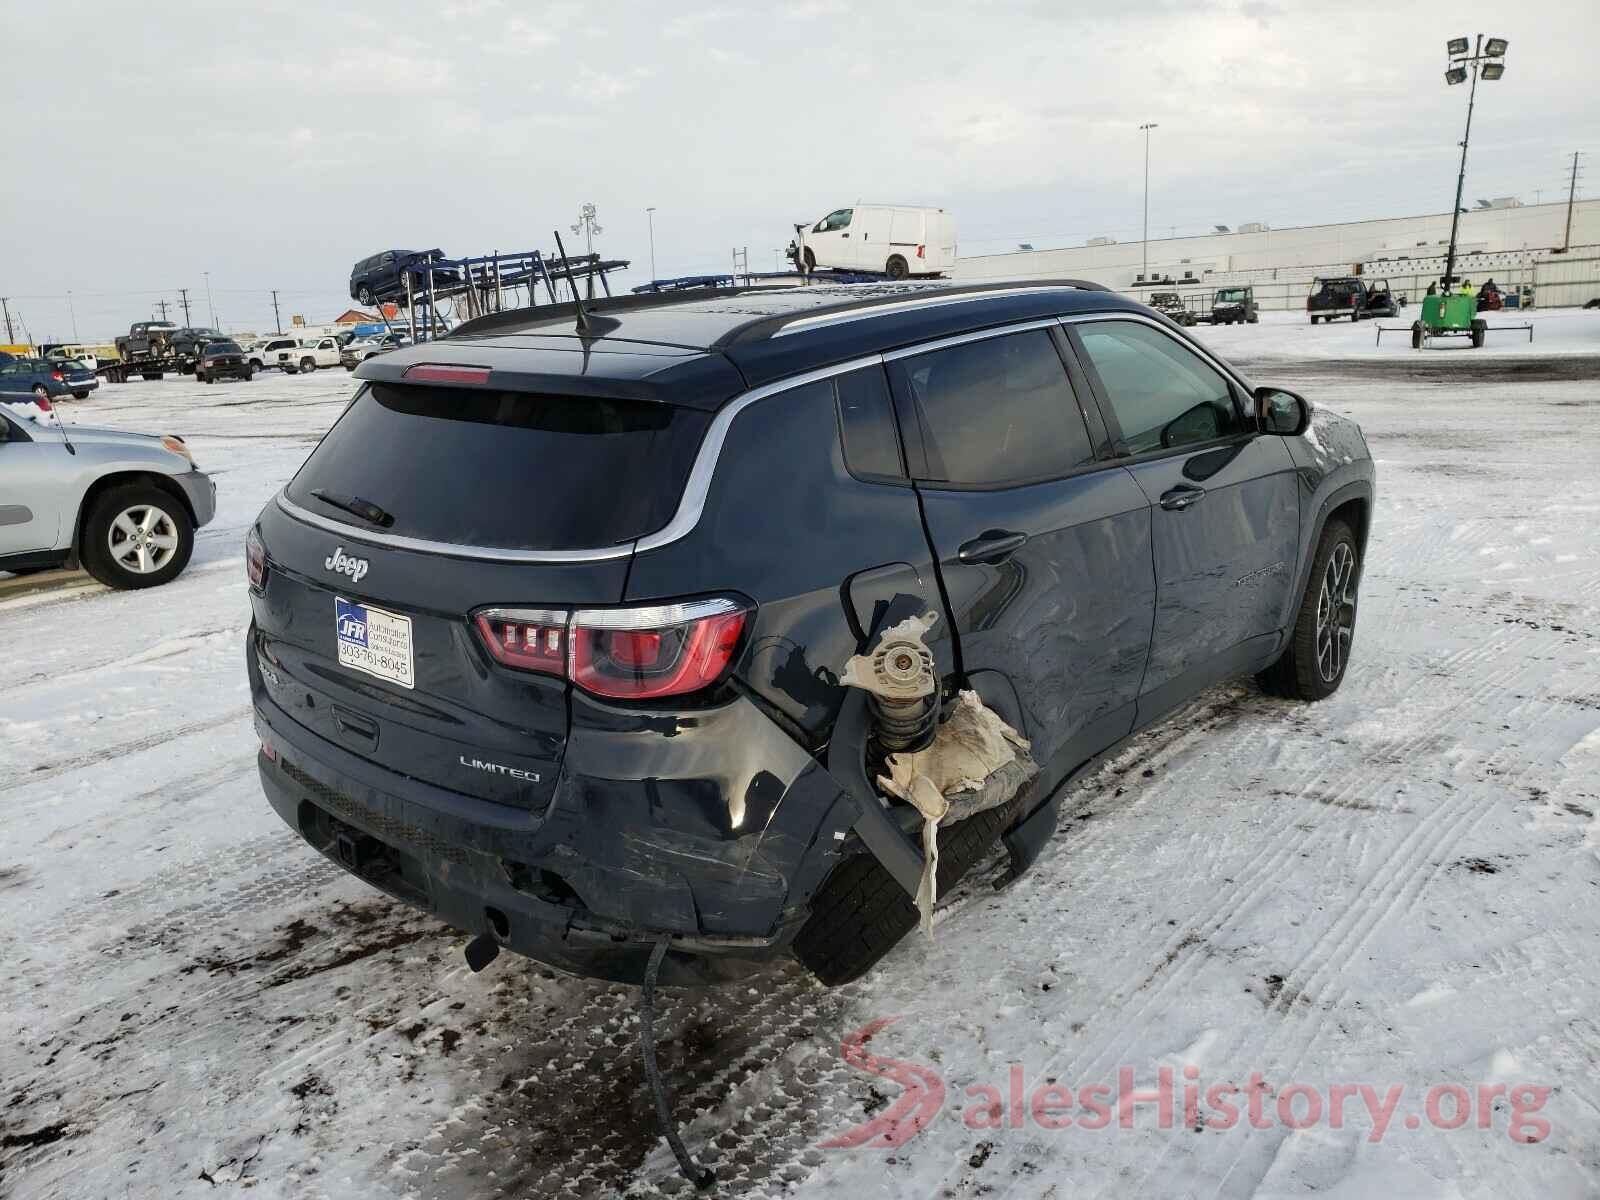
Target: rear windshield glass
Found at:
513, 470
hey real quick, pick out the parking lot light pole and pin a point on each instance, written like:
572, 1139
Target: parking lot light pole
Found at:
211, 304
1486, 57
1145, 129
650, 213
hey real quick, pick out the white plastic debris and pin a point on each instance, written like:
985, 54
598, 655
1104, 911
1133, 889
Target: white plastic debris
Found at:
901, 667
976, 762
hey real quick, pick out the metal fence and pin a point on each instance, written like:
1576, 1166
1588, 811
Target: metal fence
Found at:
1557, 280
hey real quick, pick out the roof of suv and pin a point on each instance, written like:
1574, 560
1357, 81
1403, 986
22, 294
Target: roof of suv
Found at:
703, 348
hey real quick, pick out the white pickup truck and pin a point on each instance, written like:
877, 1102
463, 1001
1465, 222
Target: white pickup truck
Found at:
310, 354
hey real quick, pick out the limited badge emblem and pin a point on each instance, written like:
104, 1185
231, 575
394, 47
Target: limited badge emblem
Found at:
341, 562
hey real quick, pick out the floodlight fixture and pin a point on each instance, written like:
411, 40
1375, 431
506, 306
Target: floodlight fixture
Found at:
1455, 75
1457, 47
1493, 70
1495, 47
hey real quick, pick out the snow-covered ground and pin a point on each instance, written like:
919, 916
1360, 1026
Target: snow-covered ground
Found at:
1397, 888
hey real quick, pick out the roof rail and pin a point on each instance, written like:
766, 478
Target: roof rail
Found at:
870, 306
567, 312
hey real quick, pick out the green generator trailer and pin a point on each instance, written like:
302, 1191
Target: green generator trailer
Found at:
1454, 315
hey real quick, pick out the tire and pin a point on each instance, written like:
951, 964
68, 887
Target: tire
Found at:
860, 912
80, 395
153, 376
42, 393
134, 506
1314, 664
364, 294
1416, 335
1254, 318
1313, 320
249, 374
811, 261
896, 268
351, 367
308, 365
1480, 332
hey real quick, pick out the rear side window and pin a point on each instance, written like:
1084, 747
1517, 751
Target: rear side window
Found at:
996, 411
866, 422
508, 470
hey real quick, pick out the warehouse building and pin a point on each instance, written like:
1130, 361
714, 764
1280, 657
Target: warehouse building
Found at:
1519, 245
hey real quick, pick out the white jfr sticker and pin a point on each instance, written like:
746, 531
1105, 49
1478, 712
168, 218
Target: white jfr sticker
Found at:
373, 641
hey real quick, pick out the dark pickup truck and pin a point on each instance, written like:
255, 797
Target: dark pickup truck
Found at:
1350, 296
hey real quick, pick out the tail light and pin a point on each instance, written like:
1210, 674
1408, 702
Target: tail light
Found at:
255, 562
922, 252
57, 376
624, 653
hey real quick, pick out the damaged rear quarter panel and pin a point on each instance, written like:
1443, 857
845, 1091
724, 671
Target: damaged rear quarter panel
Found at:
712, 821
790, 539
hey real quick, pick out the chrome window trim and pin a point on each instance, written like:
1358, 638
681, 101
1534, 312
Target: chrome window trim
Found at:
698, 486
977, 335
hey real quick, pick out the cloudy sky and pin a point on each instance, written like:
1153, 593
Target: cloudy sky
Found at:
271, 145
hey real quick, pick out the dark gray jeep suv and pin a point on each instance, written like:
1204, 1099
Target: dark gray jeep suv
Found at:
548, 630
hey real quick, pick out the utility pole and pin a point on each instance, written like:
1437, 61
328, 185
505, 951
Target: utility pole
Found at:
183, 296
73, 313
210, 303
1572, 192
162, 305
1145, 129
276, 319
5, 304
651, 214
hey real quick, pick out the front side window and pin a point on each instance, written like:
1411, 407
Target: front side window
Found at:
838, 219
997, 411
1161, 393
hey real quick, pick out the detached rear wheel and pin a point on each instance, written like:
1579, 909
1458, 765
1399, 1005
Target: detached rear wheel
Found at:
1416, 335
1480, 331
136, 536
1313, 666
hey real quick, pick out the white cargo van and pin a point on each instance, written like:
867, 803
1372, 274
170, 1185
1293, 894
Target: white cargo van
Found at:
898, 240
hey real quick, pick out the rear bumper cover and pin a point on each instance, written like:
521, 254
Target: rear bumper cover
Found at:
648, 835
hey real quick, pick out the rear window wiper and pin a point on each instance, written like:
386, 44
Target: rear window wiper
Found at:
355, 505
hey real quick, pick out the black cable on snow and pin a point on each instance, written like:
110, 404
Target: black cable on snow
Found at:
701, 1177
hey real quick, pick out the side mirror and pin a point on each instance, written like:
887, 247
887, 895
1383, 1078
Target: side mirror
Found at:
1281, 412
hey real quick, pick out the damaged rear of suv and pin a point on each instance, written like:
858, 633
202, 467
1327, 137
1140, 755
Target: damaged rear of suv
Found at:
553, 632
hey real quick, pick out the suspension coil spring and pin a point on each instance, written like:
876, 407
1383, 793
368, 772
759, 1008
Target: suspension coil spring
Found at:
901, 726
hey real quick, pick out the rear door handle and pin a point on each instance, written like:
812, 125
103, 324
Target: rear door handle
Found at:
1181, 497
992, 546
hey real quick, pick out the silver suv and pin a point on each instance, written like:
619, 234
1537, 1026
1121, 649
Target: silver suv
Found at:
124, 506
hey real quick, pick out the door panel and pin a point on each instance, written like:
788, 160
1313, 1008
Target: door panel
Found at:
33, 480
1067, 615
1043, 549
1224, 503
1223, 560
